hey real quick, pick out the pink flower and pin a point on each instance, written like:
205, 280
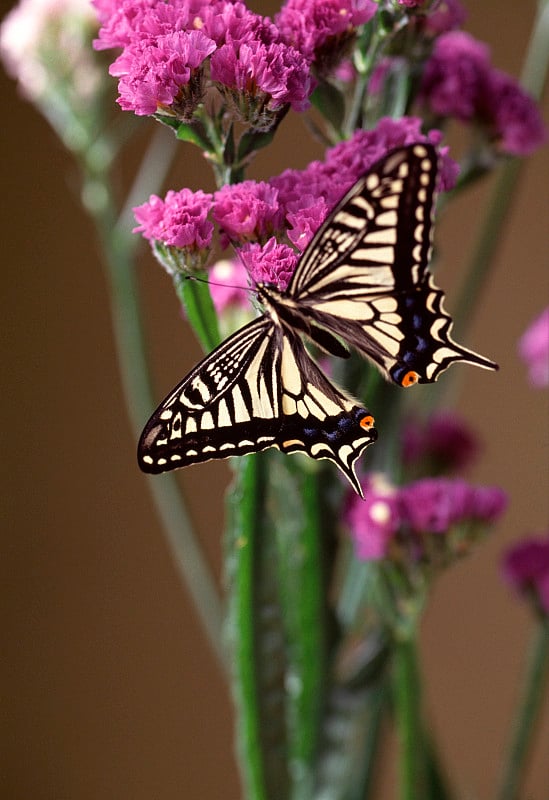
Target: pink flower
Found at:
534, 349
274, 74
445, 16
434, 505
443, 442
514, 115
228, 281
526, 568
317, 29
374, 521
273, 263
456, 75
154, 70
180, 220
247, 210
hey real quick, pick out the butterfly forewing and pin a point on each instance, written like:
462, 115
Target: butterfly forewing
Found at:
364, 276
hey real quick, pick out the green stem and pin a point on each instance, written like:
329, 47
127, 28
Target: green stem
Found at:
118, 246
253, 628
537, 673
196, 299
407, 705
302, 538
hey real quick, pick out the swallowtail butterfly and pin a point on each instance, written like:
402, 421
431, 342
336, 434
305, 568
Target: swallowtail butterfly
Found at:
363, 281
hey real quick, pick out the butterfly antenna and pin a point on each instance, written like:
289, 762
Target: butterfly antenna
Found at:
216, 283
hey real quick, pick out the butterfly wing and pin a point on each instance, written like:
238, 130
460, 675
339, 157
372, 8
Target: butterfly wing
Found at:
258, 389
364, 275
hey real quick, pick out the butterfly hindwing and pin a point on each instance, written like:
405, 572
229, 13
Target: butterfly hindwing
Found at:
258, 389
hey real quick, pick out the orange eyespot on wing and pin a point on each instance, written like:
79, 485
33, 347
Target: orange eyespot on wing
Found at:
367, 422
410, 378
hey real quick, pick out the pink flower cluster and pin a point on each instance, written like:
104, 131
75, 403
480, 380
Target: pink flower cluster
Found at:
167, 45
441, 443
526, 569
459, 81
317, 29
180, 220
431, 506
534, 349
296, 202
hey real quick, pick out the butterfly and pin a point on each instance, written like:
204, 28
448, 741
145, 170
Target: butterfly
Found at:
361, 283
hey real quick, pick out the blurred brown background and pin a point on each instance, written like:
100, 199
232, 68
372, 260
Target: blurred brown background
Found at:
111, 690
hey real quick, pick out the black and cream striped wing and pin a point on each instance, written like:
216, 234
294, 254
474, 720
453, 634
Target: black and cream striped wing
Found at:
258, 389
365, 277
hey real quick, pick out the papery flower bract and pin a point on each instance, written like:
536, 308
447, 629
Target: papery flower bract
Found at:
443, 442
514, 115
271, 263
525, 567
374, 521
247, 210
228, 279
534, 349
180, 220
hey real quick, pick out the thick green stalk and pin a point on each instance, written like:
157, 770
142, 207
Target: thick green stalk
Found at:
303, 538
407, 709
537, 673
254, 632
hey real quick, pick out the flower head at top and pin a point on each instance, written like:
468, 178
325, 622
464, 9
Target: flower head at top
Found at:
163, 73
525, 567
534, 349
322, 32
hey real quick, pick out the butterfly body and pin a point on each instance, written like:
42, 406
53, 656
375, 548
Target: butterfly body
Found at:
362, 283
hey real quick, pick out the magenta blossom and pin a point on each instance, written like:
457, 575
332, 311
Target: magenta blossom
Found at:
271, 75
534, 349
526, 568
456, 76
154, 72
443, 442
412, 513
273, 263
514, 116
433, 505
374, 521
318, 30
247, 210
446, 15
180, 220
228, 280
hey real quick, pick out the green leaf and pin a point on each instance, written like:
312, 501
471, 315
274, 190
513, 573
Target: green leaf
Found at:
195, 133
252, 141
330, 102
